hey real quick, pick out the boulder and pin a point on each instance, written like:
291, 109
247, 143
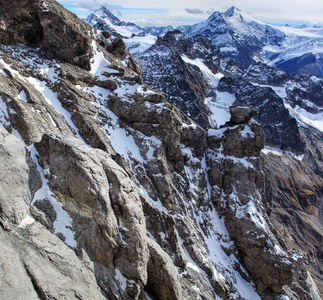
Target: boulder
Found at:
241, 114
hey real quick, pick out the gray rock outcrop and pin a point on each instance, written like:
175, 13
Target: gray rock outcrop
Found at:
244, 206
241, 114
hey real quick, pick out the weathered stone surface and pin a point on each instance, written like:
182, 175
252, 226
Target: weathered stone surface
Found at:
132, 256
90, 129
193, 242
116, 46
15, 196
150, 96
59, 33
157, 222
163, 278
39, 260
33, 117
241, 114
17, 283
243, 140
103, 202
89, 206
75, 75
165, 119
297, 208
44, 212
109, 84
242, 193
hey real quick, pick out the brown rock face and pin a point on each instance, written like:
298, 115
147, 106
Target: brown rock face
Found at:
163, 120
241, 114
242, 194
297, 209
95, 209
164, 279
47, 25
37, 263
243, 140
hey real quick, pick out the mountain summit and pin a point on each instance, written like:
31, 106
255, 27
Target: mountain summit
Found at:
231, 11
103, 19
236, 34
246, 40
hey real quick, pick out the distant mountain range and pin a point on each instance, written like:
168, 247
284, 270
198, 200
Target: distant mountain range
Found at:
238, 36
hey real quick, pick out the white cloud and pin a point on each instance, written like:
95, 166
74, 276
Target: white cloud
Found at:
158, 23
195, 11
86, 6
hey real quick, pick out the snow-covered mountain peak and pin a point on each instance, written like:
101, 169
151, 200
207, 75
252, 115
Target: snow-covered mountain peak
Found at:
104, 19
232, 11
237, 14
236, 34
105, 13
247, 40
232, 17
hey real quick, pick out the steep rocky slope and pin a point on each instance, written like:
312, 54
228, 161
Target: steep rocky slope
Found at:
183, 84
289, 110
111, 192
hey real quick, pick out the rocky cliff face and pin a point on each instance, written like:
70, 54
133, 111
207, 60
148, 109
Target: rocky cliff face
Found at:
183, 84
289, 110
111, 192
40, 24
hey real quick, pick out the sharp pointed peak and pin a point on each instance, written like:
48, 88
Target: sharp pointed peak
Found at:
231, 11
214, 15
103, 11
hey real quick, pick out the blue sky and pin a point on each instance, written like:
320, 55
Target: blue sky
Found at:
175, 12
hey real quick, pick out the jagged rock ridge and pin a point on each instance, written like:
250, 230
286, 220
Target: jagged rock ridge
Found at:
289, 110
116, 193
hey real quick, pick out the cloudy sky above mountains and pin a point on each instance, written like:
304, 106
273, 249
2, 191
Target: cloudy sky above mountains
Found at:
179, 12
